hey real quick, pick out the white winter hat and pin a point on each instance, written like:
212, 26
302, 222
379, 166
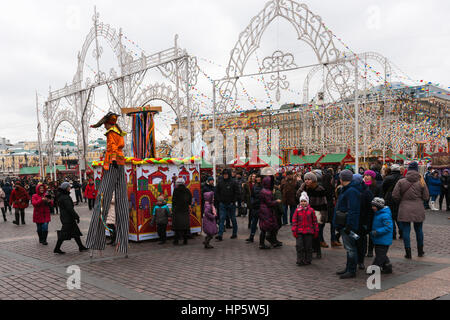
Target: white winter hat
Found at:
180, 181
304, 197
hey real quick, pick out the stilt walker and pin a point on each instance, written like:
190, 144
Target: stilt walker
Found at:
113, 181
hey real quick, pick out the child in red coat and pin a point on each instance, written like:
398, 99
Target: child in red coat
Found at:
304, 229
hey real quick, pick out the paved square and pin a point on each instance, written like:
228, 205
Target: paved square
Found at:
233, 270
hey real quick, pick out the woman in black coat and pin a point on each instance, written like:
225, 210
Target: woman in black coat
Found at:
69, 219
181, 202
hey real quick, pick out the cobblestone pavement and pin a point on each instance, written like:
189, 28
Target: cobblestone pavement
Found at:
233, 270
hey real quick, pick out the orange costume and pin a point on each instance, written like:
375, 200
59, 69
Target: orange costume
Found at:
114, 145
113, 182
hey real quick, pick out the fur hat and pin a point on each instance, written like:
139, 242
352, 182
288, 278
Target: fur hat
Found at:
110, 118
378, 202
180, 181
311, 176
304, 197
64, 185
319, 174
395, 167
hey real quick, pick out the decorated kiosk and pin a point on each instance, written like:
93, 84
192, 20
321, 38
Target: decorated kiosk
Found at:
149, 177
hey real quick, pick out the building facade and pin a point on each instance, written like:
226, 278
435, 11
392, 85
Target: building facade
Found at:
391, 122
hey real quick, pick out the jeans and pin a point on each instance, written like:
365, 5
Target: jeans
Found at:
333, 232
42, 227
406, 230
78, 196
433, 198
361, 245
238, 207
291, 213
352, 252
224, 211
254, 222
321, 227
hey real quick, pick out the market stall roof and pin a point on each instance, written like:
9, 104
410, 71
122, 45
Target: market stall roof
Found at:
205, 164
312, 159
256, 162
337, 158
399, 157
296, 160
35, 170
272, 160
238, 162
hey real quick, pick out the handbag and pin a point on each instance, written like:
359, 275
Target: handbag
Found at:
341, 218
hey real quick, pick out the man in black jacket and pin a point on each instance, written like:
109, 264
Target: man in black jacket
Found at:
77, 187
226, 194
388, 186
255, 204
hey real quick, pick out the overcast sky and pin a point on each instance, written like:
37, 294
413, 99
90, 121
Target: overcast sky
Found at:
40, 41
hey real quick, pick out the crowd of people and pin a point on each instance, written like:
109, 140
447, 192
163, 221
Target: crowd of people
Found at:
47, 198
365, 210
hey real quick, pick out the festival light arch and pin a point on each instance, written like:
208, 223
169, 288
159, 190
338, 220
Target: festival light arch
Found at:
309, 28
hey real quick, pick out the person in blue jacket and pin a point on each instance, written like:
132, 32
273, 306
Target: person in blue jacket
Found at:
434, 187
349, 202
382, 232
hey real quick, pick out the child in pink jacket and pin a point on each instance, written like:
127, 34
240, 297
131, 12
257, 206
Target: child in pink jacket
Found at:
304, 229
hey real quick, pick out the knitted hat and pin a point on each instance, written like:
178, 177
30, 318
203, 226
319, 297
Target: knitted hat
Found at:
370, 173
346, 175
395, 167
413, 166
64, 185
378, 202
304, 197
319, 174
357, 178
210, 179
311, 176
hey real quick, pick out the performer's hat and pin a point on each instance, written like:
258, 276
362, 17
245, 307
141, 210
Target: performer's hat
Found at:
110, 118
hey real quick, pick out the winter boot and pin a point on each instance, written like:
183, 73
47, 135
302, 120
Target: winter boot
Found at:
17, 221
387, 269
262, 244
40, 236
44, 238
250, 239
81, 247
420, 252
58, 247
4, 215
22, 215
432, 207
207, 245
408, 253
